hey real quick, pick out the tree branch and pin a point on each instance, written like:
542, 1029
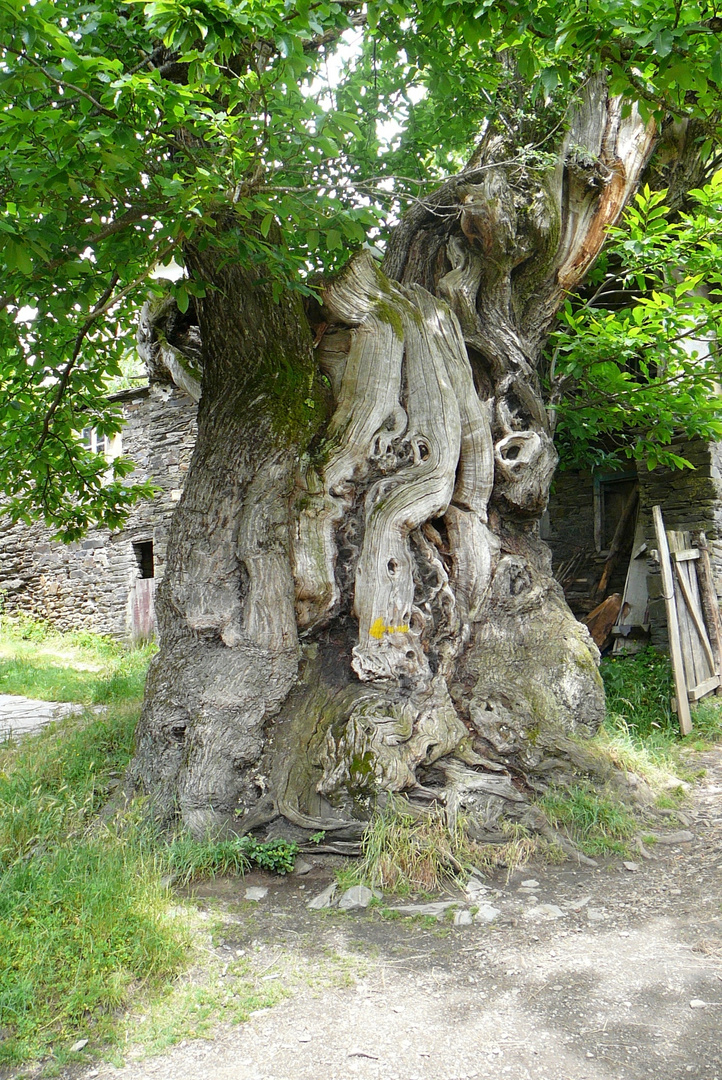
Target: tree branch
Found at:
80, 338
107, 301
64, 85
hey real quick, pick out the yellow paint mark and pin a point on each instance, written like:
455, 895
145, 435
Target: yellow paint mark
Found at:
378, 628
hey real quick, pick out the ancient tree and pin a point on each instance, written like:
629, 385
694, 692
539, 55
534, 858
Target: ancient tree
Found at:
357, 600
372, 610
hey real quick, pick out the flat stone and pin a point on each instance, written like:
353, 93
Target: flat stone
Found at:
474, 887
302, 867
78, 1046
256, 892
463, 918
486, 913
681, 837
595, 915
577, 905
357, 898
545, 911
324, 899
530, 883
24, 716
631, 866
436, 908
697, 1003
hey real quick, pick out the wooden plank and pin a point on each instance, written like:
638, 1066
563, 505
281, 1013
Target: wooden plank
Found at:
634, 595
693, 672
675, 648
689, 573
704, 688
631, 631
696, 617
685, 556
600, 621
708, 598
142, 609
687, 608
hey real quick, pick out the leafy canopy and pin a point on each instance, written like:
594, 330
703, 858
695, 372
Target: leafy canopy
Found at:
638, 362
292, 129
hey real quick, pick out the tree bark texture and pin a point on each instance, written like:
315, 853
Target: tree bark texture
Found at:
357, 600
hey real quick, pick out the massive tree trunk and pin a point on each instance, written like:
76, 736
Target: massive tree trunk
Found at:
357, 600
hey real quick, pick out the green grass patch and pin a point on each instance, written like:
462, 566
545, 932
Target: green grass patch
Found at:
596, 823
189, 860
83, 918
640, 729
86, 926
40, 662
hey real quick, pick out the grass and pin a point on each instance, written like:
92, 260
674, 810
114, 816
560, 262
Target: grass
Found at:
40, 662
86, 925
640, 731
190, 860
596, 823
640, 735
83, 917
406, 853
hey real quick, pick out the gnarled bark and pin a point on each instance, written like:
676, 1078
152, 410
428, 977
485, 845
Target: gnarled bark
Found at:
365, 606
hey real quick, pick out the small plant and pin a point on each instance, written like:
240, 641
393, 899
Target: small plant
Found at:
317, 837
278, 855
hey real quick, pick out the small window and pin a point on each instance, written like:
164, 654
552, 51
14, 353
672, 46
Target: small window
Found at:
96, 443
144, 557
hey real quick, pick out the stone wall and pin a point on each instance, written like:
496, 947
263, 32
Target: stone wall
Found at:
88, 584
571, 514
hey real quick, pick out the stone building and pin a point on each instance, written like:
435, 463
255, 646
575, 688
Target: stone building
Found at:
106, 582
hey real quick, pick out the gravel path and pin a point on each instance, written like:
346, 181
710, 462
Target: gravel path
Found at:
586, 974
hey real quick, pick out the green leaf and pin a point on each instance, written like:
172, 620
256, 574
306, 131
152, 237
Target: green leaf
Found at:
182, 299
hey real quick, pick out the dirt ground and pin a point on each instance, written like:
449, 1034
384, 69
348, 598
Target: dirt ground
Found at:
602, 974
